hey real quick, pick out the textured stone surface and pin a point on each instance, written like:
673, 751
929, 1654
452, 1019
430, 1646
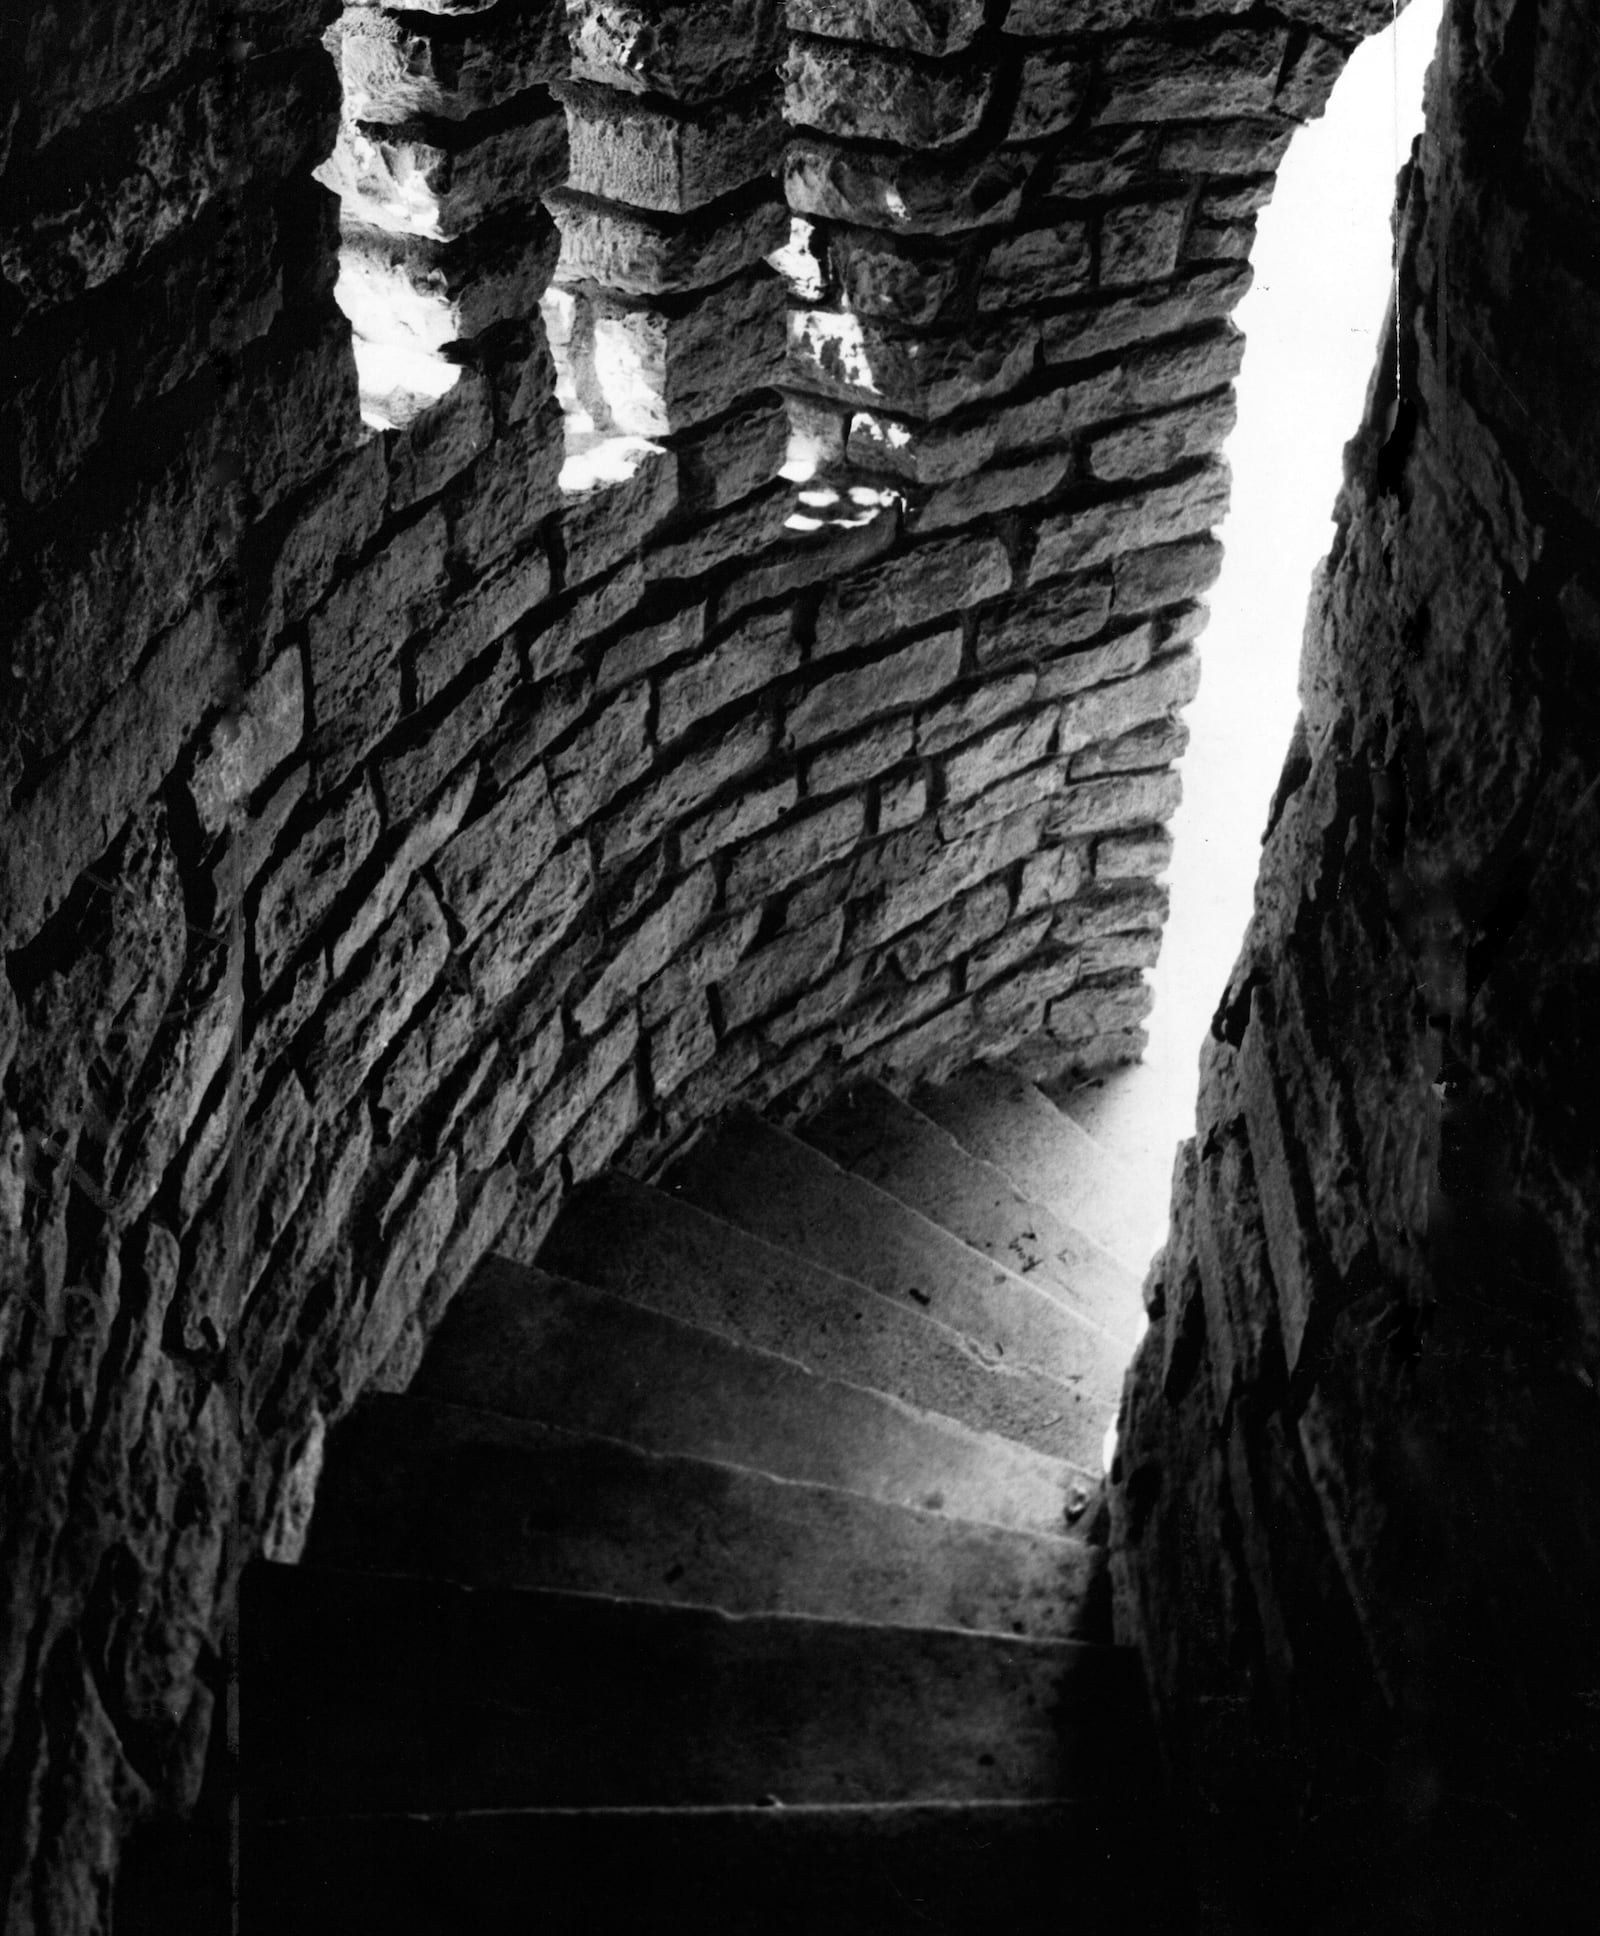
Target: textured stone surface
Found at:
401, 824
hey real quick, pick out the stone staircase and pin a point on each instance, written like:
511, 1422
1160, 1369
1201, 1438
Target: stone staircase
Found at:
734, 1568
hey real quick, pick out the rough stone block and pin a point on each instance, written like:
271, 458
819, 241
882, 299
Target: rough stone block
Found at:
575, 1092
650, 255
1140, 856
1308, 77
1005, 487
1038, 265
1054, 85
1140, 241
861, 361
641, 649
507, 1097
1160, 443
497, 506
998, 754
908, 281
349, 1037
303, 888
748, 528
1106, 806
807, 557
331, 524
659, 371
898, 680
1041, 622
1105, 910
1052, 877
1161, 743
492, 858
394, 67
735, 820
778, 859
926, 584
919, 26
1076, 540
673, 794
1206, 295
607, 1126
1018, 793
651, 157
441, 442
435, 1042
1099, 1009
953, 932
601, 525
597, 762
476, 622
728, 461
639, 957
540, 916
361, 626
1146, 580
1230, 72
409, 775
759, 652
1100, 161
441, 177
970, 712
1114, 659
708, 960
417, 846
249, 742
1228, 147
766, 979
884, 190
1108, 712
860, 759
681, 49
949, 873
855, 92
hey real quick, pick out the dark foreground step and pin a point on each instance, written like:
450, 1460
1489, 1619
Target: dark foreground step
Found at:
873, 1133
658, 1250
411, 1486
780, 1188
529, 1345
984, 1869
370, 1693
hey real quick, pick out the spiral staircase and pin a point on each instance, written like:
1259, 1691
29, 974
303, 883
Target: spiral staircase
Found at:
739, 1567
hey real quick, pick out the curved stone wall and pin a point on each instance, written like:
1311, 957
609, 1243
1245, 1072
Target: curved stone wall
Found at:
401, 824
1357, 1533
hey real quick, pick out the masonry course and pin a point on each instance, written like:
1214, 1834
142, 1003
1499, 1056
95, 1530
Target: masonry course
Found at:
507, 818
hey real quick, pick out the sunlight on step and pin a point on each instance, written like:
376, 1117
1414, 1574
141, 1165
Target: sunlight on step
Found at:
1312, 319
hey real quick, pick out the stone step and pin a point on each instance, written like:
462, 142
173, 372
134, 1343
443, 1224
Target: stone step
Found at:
753, 1174
662, 1251
999, 1116
370, 1694
411, 1486
872, 1133
908, 1869
521, 1342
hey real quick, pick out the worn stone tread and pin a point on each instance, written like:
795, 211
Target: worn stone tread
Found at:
772, 1184
416, 1694
413, 1486
524, 1343
1002, 1118
1031, 1868
660, 1250
871, 1132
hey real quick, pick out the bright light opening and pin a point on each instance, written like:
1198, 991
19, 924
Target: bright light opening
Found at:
1313, 317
